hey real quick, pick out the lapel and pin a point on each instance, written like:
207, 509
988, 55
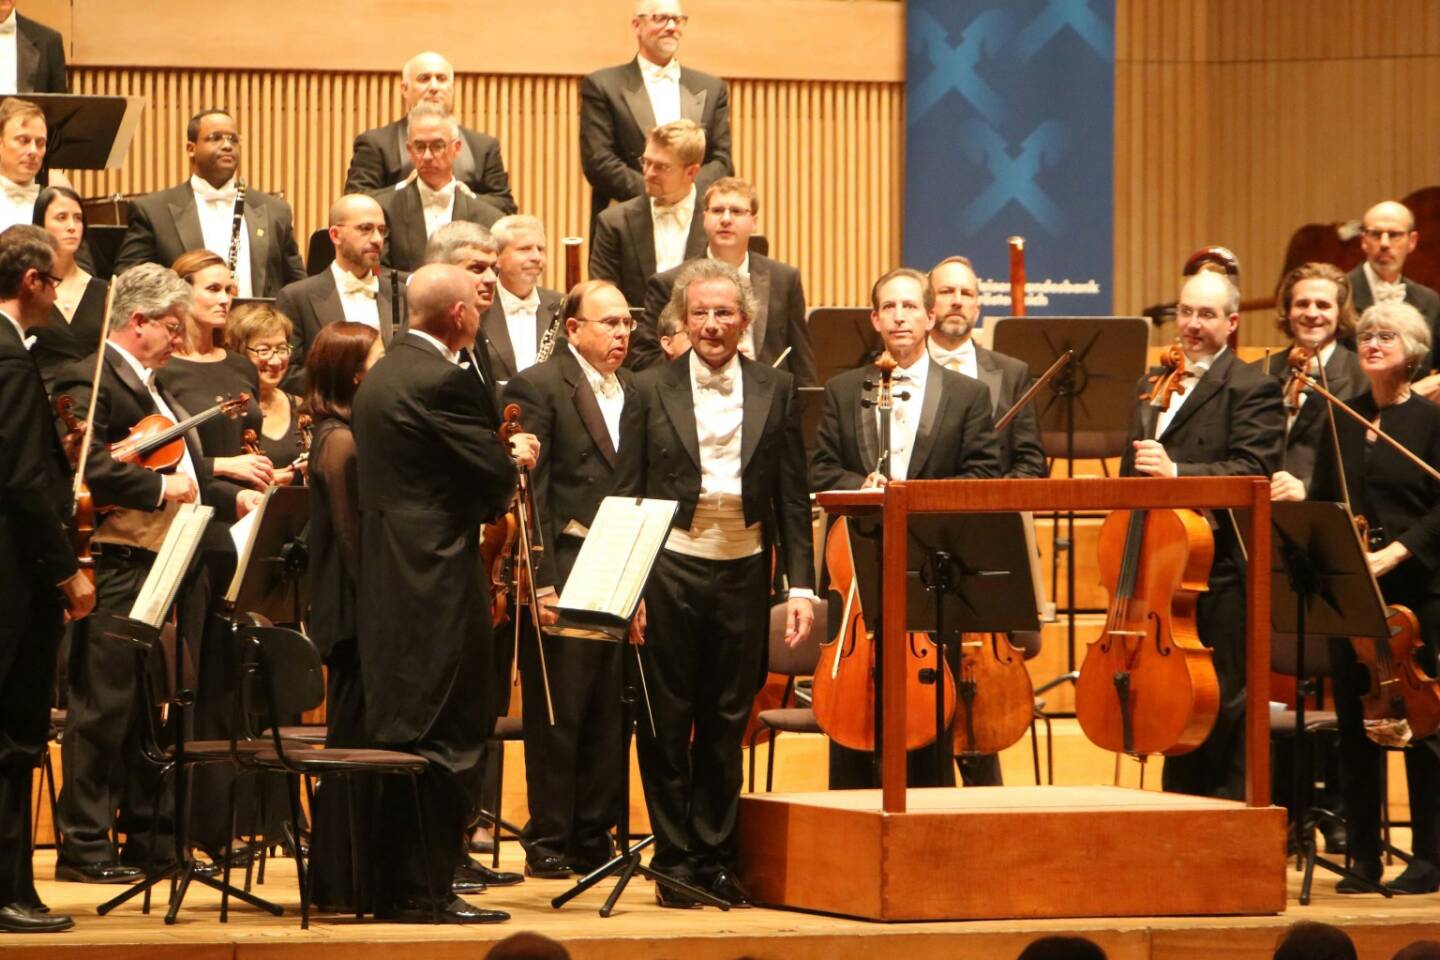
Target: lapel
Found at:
464, 164
385, 305
550, 308
257, 225
637, 98
126, 375
400, 157
692, 102
187, 220
990, 375
497, 332
642, 232
407, 233
696, 242
759, 387
1201, 392
930, 410
27, 57
679, 405
760, 284
325, 300
586, 405
869, 432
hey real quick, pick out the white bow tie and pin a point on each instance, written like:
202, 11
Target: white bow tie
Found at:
218, 196
7, 26
721, 383
1387, 292
950, 359
437, 198
609, 387
671, 71
678, 212
350, 285
18, 194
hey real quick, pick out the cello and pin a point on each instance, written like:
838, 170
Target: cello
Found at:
1147, 684
843, 694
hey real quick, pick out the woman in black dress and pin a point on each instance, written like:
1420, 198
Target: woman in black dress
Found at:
334, 366
75, 320
1402, 505
203, 370
261, 334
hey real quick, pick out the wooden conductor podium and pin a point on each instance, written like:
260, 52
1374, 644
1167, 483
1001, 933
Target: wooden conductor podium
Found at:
1007, 852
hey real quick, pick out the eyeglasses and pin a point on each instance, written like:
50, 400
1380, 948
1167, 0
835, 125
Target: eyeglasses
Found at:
1383, 337
369, 228
50, 278
265, 352
735, 212
1383, 236
174, 328
723, 314
437, 147
218, 137
658, 166
613, 324
663, 19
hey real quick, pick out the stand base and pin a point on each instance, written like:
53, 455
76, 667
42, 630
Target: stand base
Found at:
625, 866
181, 874
1029, 851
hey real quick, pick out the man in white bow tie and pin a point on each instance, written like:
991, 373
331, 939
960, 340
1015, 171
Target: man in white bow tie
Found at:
619, 105
23, 140
515, 322
354, 287
1388, 238
199, 214
431, 197
639, 238
32, 55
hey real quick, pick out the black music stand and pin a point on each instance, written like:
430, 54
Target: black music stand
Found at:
1093, 394
1320, 584
270, 573
86, 132
974, 569
843, 338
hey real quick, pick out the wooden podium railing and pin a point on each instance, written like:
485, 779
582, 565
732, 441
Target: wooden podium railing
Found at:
902, 498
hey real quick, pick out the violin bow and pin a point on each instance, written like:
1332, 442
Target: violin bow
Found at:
1055, 368
1335, 403
84, 458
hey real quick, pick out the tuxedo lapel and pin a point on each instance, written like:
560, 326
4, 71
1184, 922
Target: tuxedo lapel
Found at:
587, 407
27, 61
759, 387
760, 284
696, 241
385, 308
1200, 392
187, 219
407, 235
497, 331
399, 157
126, 375
692, 102
869, 433
990, 376
679, 406
642, 229
638, 100
931, 407
257, 225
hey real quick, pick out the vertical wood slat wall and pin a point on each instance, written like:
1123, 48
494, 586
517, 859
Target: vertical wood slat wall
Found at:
825, 156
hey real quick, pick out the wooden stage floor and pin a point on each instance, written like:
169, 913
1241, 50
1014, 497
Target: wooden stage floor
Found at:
640, 929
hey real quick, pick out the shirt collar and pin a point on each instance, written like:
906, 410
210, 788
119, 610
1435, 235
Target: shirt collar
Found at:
966, 351
7, 182
452, 355
9, 25
341, 274
744, 267
513, 304
445, 189
1376, 281
140, 369
684, 207
595, 377
1202, 366
700, 368
202, 186
651, 72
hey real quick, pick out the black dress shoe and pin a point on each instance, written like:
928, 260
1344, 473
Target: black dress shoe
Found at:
1369, 870
1417, 877
417, 910
468, 888
725, 886
18, 918
549, 868
668, 897
475, 870
97, 873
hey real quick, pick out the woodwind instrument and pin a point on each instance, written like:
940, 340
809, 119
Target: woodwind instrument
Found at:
572, 277
1017, 276
236, 225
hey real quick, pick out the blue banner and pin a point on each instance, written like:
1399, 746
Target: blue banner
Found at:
1010, 129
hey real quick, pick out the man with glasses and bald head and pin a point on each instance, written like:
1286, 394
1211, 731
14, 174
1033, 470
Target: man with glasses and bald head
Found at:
620, 105
1388, 238
381, 160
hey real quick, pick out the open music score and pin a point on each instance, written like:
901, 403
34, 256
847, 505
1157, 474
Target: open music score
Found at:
162, 583
609, 575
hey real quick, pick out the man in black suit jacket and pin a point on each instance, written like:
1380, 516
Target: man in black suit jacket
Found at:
942, 430
39, 578
515, 323
721, 436
431, 470
380, 158
199, 215
1228, 422
103, 771
585, 413
417, 208
354, 287
39, 56
780, 328
620, 105
1388, 238
659, 229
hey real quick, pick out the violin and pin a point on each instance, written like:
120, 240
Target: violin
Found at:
158, 443
1147, 684
843, 695
81, 525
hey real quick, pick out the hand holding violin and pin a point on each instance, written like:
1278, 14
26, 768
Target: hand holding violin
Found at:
251, 469
525, 450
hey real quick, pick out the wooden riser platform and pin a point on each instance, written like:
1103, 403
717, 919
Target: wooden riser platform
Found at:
641, 930
1013, 852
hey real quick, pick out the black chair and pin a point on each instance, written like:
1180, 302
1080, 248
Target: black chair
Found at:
791, 662
319, 253
507, 730
280, 676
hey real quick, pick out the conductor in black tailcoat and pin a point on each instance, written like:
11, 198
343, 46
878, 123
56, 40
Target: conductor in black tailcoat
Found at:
584, 411
1229, 421
431, 470
722, 437
38, 574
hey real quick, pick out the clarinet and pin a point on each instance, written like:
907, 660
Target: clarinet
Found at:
237, 225
572, 277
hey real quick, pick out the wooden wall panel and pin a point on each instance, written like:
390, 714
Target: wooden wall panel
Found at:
826, 157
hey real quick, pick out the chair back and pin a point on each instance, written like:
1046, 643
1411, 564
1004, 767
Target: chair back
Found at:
280, 676
796, 661
319, 252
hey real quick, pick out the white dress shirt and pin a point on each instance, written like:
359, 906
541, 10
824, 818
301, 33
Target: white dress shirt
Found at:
520, 321
1194, 370
1383, 290
608, 394
905, 413
359, 299
9, 57
438, 205
718, 530
962, 359
452, 355
147, 377
17, 202
662, 85
216, 209
672, 229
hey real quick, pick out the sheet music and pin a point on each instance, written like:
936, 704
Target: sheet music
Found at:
614, 562
243, 532
173, 559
